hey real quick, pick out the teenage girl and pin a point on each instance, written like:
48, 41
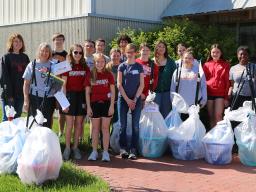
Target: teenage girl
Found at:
100, 99
130, 83
216, 71
75, 92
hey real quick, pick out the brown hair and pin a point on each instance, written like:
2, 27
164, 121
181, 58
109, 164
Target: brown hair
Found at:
100, 40
71, 58
9, 43
144, 45
217, 46
58, 35
124, 38
43, 46
110, 63
131, 46
166, 49
94, 69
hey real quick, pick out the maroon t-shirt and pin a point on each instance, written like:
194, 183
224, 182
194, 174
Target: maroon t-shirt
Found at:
77, 77
100, 89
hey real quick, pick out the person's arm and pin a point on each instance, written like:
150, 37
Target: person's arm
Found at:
64, 86
140, 89
88, 100
129, 102
173, 84
112, 100
6, 79
203, 91
227, 86
26, 87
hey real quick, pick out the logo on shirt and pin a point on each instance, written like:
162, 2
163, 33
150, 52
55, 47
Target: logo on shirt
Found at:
76, 73
101, 82
189, 76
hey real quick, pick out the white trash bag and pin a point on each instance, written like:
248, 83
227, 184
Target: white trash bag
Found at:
152, 131
12, 140
115, 135
41, 158
245, 134
218, 143
186, 140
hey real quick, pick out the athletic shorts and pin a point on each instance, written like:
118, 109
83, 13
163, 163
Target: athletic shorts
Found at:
215, 97
100, 109
77, 103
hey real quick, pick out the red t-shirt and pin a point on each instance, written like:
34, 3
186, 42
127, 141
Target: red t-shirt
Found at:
100, 90
147, 75
76, 78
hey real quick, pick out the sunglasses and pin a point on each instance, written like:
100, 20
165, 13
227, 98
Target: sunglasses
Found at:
78, 52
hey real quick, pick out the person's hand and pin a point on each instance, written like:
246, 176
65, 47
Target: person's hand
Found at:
111, 110
143, 97
65, 110
226, 103
131, 104
26, 106
89, 111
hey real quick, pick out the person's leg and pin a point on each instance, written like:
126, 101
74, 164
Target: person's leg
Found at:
4, 118
77, 131
69, 126
210, 110
61, 121
123, 109
218, 109
135, 129
158, 101
105, 132
95, 132
18, 105
166, 104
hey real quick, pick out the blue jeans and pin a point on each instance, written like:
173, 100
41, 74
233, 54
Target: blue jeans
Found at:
17, 104
163, 99
122, 112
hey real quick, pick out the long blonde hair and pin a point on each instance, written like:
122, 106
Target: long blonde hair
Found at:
97, 56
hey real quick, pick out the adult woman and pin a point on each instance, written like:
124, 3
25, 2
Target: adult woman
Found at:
216, 71
36, 83
166, 67
13, 67
74, 87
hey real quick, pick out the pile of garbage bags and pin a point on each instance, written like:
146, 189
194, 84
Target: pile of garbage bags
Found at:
33, 154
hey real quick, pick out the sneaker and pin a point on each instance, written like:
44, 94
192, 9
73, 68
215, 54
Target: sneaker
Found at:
93, 156
77, 154
124, 154
105, 156
132, 156
66, 154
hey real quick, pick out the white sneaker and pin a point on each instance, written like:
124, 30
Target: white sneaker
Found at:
105, 156
93, 156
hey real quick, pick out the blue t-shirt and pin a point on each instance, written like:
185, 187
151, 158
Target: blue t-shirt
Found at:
131, 78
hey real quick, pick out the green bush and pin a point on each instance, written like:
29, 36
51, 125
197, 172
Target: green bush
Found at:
198, 36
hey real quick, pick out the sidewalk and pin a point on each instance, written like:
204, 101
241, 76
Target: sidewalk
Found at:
168, 175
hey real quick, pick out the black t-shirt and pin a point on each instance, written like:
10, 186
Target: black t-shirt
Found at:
60, 56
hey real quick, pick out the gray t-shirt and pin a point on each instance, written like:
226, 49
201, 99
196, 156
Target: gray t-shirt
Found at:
89, 61
41, 78
188, 83
235, 75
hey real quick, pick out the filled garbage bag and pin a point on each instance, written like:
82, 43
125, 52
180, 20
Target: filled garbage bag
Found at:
245, 134
115, 135
12, 138
40, 159
178, 106
186, 140
152, 131
218, 143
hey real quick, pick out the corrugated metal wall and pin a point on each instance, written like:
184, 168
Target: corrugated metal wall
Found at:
24, 11
138, 9
75, 31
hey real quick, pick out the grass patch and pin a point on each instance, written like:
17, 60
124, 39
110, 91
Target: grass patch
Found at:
70, 179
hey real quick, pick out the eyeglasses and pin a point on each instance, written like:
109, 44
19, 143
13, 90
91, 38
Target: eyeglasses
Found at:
78, 52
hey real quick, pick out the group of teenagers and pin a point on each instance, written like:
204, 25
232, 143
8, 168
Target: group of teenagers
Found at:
107, 88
